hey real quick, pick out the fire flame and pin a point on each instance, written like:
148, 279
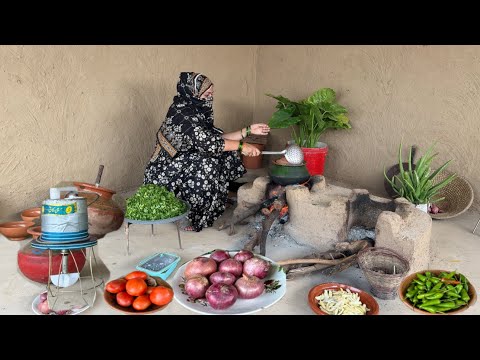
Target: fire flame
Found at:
283, 211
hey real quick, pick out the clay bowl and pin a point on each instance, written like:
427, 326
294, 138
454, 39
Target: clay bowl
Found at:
103, 192
365, 297
16, 230
31, 214
110, 299
402, 290
35, 231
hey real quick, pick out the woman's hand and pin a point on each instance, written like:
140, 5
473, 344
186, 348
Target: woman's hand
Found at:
260, 129
250, 150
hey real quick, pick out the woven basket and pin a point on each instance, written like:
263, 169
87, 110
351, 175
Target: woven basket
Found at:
458, 196
378, 265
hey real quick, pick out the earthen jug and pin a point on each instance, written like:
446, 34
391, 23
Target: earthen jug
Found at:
104, 215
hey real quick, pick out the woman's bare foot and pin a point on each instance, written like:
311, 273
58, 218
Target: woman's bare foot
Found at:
188, 228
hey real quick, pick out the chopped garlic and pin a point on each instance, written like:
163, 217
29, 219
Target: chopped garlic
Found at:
341, 303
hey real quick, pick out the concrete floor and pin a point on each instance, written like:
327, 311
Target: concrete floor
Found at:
453, 247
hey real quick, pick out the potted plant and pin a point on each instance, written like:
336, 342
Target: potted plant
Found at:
416, 182
312, 116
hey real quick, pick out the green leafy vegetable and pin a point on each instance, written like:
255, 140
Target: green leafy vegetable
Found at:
154, 202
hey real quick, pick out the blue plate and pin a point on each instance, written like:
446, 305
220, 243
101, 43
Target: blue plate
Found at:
73, 246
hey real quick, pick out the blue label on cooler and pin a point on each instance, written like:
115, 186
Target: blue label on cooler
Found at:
59, 209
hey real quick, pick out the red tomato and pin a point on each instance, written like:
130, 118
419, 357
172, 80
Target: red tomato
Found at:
136, 287
161, 295
141, 303
116, 286
124, 299
136, 274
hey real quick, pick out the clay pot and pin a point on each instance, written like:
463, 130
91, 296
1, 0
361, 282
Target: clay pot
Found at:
104, 215
31, 214
33, 263
16, 230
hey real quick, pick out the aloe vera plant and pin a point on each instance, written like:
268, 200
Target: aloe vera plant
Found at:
416, 183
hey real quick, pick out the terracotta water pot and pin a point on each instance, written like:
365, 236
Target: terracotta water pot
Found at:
104, 215
33, 263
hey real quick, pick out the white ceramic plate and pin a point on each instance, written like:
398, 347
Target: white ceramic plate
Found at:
36, 301
276, 275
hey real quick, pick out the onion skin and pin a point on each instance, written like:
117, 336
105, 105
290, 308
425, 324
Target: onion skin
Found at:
222, 277
249, 287
200, 265
221, 296
256, 267
243, 255
231, 266
196, 286
220, 255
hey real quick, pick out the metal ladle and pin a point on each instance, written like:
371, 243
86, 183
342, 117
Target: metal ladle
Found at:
293, 154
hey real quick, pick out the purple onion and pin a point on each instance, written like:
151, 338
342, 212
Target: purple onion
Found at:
222, 278
200, 265
221, 296
249, 287
243, 255
196, 286
220, 255
256, 267
231, 266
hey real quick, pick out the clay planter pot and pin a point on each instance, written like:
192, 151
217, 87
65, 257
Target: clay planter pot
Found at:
16, 230
33, 263
104, 215
31, 214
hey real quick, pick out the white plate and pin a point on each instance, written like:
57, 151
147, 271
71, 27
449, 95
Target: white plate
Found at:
36, 301
241, 306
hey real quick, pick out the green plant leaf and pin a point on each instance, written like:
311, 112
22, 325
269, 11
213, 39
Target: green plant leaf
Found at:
282, 119
322, 95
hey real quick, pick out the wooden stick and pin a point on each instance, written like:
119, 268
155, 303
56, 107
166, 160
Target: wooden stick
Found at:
309, 261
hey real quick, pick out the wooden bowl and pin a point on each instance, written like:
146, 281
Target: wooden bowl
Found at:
16, 230
31, 214
110, 299
365, 297
402, 289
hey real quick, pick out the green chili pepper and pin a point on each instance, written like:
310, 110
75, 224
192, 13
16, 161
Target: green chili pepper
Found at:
430, 303
434, 280
452, 293
412, 293
464, 295
464, 281
451, 287
449, 276
423, 278
416, 281
458, 288
443, 274
430, 309
421, 296
435, 296
460, 302
428, 284
420, 287
428, 274
437, 286
447, 304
